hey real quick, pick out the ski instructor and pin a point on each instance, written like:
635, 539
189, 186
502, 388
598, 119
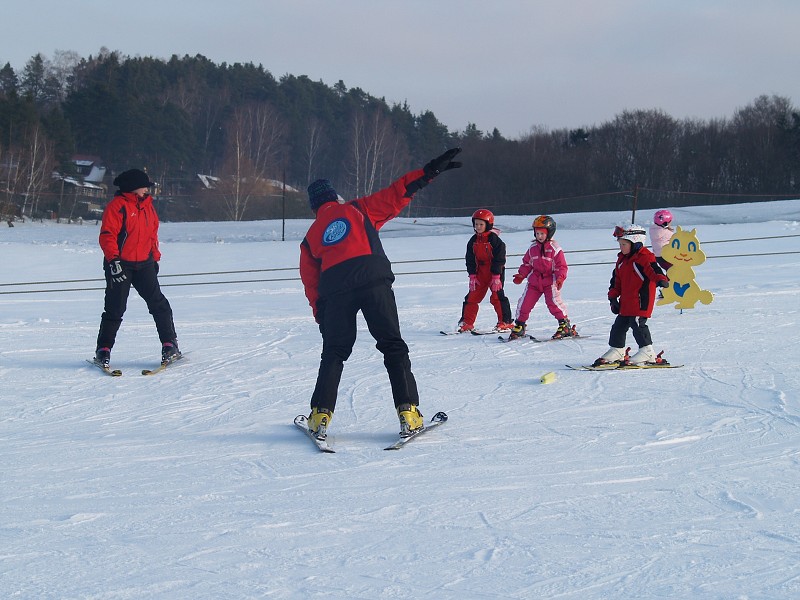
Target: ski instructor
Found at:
345, 270
129, 241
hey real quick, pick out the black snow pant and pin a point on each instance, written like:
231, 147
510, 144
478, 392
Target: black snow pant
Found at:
619, 330
145, 282
337, 317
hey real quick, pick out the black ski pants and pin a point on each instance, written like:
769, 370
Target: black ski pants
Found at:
619, 331
338, 327
145, 281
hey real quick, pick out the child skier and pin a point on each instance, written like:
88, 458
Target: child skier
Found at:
660, 233
486, 259
632, 294
545, 268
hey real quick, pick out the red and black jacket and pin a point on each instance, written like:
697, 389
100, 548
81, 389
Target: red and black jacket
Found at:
129, 230
342, 249
633, 281
486, 251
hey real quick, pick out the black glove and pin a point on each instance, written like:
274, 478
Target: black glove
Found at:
155, 266
662, 283
442, 163
432, 169
117, 272
614, 305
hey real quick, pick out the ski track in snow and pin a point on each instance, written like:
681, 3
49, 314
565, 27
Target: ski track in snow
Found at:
195, 483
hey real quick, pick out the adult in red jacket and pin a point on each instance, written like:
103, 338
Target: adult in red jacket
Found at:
632, 295
345, 270
129, 241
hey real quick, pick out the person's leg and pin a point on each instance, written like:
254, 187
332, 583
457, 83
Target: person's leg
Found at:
338, 330
145, 282
379, 307
114, 305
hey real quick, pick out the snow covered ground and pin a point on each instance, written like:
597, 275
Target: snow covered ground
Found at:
679, 483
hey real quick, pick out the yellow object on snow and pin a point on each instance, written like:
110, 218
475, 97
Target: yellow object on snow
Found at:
548, 377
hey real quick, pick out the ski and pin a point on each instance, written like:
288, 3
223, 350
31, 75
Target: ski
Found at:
472, 331
623, 367
440, 418
163, 366
571, 337
104, 369
301, 421
522, 338
481, 332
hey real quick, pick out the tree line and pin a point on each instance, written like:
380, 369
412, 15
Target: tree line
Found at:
250, 133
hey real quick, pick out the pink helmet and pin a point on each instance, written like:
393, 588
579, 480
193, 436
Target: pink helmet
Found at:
662, 217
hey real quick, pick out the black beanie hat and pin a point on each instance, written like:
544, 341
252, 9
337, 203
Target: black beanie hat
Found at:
133, 179
320, 192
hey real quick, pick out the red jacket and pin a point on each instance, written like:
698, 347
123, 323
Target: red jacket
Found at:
486, 254
130, 230
342, 250
633, 281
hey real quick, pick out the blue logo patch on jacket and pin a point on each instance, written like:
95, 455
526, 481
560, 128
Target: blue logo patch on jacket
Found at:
335, 232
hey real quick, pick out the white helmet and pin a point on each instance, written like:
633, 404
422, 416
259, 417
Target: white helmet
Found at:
635, 234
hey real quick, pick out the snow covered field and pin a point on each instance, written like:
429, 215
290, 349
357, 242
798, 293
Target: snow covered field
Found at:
681, 483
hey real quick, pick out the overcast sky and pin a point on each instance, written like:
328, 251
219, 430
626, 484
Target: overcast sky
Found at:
510, 64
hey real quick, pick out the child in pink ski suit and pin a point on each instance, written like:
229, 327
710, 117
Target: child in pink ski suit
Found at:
545, 268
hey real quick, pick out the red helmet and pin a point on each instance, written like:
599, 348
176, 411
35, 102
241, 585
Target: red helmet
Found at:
545, 222
484, 215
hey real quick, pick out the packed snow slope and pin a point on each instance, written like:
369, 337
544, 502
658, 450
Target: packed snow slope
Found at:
680, 483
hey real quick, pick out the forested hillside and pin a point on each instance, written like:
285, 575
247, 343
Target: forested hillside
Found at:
247, 130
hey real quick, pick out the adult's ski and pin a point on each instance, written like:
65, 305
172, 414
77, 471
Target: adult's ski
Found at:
301, 421
439, 418
107, 370
163, 366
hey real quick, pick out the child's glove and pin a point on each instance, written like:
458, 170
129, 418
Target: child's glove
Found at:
496, 285
559, 283
519, 278
473, 283
614, 305
662, 283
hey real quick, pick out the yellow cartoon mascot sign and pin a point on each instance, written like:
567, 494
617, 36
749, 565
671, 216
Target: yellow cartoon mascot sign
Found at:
683, 252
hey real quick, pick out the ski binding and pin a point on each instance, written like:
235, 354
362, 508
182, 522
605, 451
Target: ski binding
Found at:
440, 418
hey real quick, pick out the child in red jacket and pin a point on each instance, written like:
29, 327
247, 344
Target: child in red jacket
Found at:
486, 260
545, 268
632, 294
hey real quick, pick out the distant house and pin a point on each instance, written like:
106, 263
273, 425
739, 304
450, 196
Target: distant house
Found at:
210, 182
89, 168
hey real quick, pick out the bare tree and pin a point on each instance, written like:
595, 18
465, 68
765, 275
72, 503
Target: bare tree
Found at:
375, 152
312, 145
255, 135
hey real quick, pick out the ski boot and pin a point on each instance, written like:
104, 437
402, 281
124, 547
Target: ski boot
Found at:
102, 356
465, 327
517, 331
318, 422
170, 352
646, 354
612, 356
564, 330
410, 419
501, 326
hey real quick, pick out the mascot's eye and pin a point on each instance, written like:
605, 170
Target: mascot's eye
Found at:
692, 247
676, 244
